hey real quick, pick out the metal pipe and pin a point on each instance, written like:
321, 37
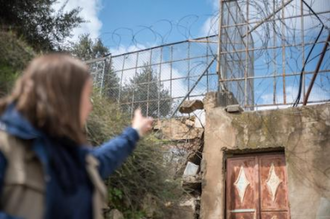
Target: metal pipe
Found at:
246, 54
271, 76
274, 58
169, 44
283, 51
219, 44
272, 47
247, 106
165, 62
303, 44
316, 70
277, 19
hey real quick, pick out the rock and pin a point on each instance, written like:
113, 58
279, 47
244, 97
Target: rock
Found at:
210, 101
218, 99
192, 184
234, 109
190, 123
226, 98
187, 208
175, 129
190, 106
189, 202
116, 214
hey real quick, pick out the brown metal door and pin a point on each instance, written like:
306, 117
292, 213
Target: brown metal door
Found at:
256, 187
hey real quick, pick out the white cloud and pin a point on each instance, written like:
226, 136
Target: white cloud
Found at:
317, 94
124, 49
215, 5
211, 25
89, 12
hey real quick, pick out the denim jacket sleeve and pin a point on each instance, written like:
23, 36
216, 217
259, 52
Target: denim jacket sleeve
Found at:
6, 216
3, 164
113, 153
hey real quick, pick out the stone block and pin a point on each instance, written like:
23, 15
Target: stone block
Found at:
190, 123
226, 98
192, 184
175, 129
210, 101
190, 106
234, 109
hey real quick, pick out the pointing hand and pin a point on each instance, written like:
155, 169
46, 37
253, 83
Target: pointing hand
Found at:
142, 124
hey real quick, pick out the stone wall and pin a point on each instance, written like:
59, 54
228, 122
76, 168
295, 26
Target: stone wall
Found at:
302, 133
183, 144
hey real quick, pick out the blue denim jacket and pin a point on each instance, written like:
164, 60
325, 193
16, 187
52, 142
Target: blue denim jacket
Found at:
110, 156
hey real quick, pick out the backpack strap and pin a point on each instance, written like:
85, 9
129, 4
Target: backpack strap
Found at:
13, 151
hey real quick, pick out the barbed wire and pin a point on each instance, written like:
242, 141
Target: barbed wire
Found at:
278, 45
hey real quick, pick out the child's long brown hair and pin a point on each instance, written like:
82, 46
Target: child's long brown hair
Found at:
48, 94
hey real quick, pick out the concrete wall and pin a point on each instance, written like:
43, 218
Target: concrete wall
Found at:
304, 135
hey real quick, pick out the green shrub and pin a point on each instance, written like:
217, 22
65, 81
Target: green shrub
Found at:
14, 56
142, 185
14, 52
8, 76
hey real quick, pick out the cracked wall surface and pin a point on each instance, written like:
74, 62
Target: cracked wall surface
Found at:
302, 133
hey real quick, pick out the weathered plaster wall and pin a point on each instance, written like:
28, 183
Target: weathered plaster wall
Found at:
303, 133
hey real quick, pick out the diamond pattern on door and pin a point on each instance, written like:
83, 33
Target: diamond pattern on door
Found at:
241, 183
256, 187
273, 181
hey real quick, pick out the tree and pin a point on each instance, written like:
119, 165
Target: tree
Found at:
87, 49
145, 91
111, 84
38, 23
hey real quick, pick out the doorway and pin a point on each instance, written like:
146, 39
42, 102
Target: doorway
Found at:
256, 187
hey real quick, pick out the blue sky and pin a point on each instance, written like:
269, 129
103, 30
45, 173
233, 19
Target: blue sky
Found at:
147, 22
126, 25
152, 22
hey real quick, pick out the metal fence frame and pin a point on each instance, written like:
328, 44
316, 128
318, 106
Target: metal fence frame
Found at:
227, 61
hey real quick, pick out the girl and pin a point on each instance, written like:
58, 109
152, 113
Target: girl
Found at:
46, 171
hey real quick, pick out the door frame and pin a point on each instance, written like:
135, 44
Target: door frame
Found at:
250, 153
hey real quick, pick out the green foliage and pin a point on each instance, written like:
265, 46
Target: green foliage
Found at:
14, 56
87, 48
111, 84
7, 78
38, 23
142, 182
131, 214
14, 52
148, 93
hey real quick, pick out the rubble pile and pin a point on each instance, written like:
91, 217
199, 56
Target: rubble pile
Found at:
184, 137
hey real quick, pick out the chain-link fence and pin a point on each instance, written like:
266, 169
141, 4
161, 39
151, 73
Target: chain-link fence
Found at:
236, 59
268, 54
158, 79
271, 48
